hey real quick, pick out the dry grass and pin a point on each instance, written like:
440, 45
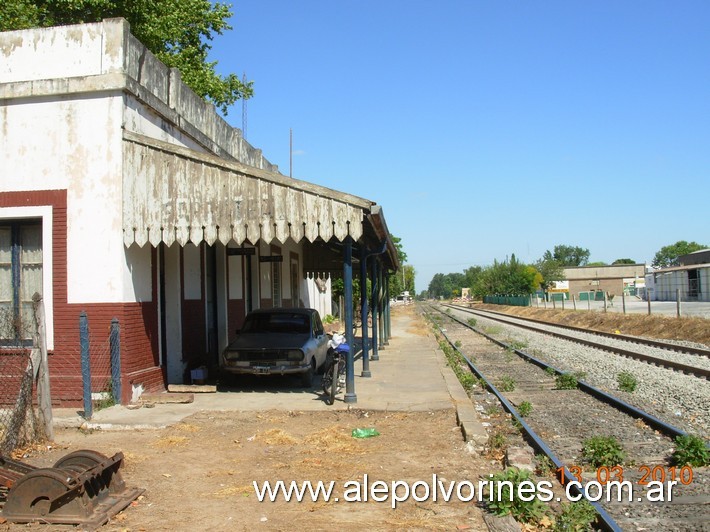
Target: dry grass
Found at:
660, 327
186, 427
335, 439
276, 437
170, 441
234, 490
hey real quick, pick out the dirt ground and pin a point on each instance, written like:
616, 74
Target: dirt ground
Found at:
198, 474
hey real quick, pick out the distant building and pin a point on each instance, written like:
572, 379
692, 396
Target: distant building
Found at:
587, 281
690, 280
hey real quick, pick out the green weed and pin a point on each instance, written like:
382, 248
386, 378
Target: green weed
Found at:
525, 408
603, 451
691, 450
627, 381
504, 497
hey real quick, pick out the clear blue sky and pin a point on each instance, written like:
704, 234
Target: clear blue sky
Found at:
486, 128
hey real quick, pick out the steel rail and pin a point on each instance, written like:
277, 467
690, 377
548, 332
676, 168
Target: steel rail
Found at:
604, 520
625, 337
684, 368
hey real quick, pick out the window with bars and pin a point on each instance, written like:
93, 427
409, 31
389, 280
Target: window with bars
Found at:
20, 278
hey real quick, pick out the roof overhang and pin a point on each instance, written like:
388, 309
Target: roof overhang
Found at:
175, 194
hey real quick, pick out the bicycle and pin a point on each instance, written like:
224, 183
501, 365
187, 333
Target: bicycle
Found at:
334, 374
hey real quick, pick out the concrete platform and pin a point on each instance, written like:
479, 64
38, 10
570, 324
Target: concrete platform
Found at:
410, 375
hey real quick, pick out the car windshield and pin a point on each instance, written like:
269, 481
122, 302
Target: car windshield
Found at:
281, 322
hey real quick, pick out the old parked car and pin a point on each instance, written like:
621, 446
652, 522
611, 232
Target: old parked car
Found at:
279, 341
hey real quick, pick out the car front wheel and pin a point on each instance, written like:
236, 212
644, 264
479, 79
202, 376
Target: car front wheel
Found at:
307, 377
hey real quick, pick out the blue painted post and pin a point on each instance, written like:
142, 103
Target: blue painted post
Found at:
115, 341
381, 307
350, 396
85, 363
363, 314
375, 289
386, 309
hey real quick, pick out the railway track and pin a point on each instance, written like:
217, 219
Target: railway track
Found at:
614, 343
566, 418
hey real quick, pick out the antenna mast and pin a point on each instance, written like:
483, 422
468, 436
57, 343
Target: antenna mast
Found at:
244, 109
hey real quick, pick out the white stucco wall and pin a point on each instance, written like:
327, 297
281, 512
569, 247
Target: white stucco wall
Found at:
139, 118
59, 52
74, 144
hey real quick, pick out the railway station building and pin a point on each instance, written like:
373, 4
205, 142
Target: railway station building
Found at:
126, 196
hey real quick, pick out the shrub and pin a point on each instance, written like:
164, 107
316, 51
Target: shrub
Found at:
496, 440
544, 466
508, 501
691, 450
550, 371
525, 408
627, 381
493, 410
603, 451
576, 516
566, 381
467, 380
506, 384
518, 344
472, 322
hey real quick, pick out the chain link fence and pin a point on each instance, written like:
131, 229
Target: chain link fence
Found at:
19, 423
25, 404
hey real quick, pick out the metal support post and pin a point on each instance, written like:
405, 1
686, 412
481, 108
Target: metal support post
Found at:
350, 396
363, 314
380, 307
85, 363
115, 344
44, 395
386, 307
375, 309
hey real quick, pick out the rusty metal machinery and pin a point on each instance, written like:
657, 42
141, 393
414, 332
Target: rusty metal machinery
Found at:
83, 488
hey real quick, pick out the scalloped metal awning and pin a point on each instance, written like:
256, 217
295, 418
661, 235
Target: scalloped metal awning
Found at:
175, 194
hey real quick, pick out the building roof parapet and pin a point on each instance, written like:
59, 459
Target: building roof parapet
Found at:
104, 56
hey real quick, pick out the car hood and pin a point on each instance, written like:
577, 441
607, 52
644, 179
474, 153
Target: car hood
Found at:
268, 341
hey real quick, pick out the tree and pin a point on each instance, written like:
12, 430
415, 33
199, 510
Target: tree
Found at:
551, 271
510, 278
471, 275
623, 261
567, 255
178, 32
402, 280
444, 285
667, 256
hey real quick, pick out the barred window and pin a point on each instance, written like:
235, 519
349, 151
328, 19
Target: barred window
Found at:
20, 278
